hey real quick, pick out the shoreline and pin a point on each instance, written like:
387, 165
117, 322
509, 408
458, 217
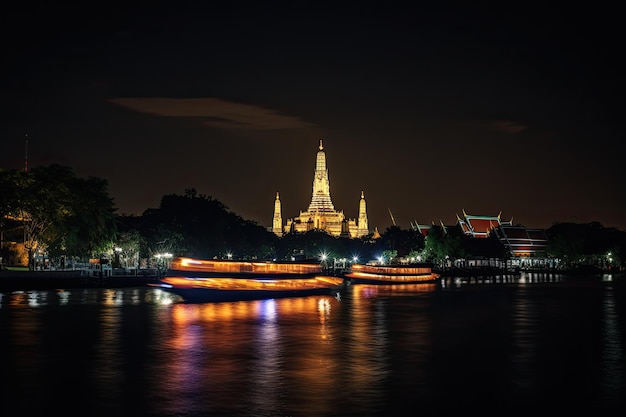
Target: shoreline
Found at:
50, 280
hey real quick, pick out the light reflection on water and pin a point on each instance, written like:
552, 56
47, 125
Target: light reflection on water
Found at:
613, 362
380, 350
238, 351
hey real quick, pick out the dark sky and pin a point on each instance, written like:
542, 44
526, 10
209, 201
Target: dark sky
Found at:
428, 110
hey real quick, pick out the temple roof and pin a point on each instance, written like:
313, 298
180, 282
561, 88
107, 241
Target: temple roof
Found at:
519, 240
477, 226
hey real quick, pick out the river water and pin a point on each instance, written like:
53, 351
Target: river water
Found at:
495, 347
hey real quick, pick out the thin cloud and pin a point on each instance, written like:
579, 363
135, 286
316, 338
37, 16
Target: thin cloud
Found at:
507, 127
215, 112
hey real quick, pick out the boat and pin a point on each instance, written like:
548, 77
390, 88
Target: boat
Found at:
242, 289
197, 280
391, 274
214, 268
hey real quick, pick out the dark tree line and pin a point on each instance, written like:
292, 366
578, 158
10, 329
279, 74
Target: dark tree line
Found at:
589, 244
49, 208
198, 226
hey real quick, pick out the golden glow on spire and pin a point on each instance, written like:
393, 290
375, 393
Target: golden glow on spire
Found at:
277, 222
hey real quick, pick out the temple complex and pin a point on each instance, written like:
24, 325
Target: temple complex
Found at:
471, 225
518, 240
321, 214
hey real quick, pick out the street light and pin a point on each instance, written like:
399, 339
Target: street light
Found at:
323, 257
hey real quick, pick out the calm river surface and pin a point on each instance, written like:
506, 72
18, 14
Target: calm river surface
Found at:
534, 344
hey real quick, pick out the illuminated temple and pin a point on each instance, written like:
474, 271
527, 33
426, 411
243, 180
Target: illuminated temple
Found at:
321, 214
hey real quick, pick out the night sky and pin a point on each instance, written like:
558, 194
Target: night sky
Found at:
429, 110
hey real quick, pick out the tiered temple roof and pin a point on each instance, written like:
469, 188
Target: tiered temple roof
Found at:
521, 241
480, 226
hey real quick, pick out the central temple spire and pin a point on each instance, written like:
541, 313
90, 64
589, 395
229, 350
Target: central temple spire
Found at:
277, 222
321, 202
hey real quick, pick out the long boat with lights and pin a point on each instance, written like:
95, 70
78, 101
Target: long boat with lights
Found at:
197, 280
204, 290
214, 268
391, 274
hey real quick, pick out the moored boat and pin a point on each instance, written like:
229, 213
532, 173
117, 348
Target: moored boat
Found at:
391, 274
242, 289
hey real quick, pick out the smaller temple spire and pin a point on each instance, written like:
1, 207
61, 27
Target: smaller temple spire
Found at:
321, 146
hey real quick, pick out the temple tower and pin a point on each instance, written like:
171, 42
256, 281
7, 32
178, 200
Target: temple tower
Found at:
363, 228
321, 214
277, 223
321, 202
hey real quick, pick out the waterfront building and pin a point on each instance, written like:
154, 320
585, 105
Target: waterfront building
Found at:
477, 226
526, 246
321, 214
518, 240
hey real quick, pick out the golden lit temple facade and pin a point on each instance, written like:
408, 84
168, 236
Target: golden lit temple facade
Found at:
321, 214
